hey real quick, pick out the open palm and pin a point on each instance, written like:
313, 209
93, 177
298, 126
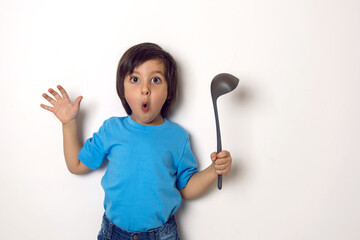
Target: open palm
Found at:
63, 108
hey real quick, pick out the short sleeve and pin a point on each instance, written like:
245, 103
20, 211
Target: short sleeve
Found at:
187, 167
93, 152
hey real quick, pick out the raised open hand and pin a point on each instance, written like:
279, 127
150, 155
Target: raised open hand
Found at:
63, 108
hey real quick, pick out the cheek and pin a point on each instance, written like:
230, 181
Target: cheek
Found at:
162, 97
130, 98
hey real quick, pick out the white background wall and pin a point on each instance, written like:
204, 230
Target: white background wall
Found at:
292, 125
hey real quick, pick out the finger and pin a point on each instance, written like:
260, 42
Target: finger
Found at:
62, 91
78, 101
223, 154
55, 94
213, 156
46, 107
222, 161
49, 99
220, 167
222, 172
219, 162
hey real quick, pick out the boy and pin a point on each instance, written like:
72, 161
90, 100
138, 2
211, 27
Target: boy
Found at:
151, 166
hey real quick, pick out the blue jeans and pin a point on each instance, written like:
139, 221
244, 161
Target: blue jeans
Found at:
110, 231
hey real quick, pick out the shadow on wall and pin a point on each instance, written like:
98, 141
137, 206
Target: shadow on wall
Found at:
242, 98
178, 100
82, 116
81, 122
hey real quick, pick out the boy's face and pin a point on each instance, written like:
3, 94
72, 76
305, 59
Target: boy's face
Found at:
146, 92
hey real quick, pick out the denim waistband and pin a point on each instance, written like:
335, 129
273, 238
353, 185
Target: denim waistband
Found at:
110, 231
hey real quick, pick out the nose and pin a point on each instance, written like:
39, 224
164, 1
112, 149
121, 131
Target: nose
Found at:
145, 90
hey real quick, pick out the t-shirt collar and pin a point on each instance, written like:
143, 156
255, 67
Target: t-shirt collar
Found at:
139, 126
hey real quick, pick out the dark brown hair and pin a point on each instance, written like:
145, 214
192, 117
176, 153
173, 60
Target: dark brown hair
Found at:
136, 56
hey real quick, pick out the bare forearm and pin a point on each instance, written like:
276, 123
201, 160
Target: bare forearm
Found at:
72, 145
199, 183
67, 112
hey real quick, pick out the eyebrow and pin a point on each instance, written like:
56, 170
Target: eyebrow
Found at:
153, 72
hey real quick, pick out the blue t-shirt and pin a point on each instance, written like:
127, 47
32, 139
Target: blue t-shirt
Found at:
147, 167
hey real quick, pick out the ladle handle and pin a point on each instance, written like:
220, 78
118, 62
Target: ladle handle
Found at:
219, 181
218, 137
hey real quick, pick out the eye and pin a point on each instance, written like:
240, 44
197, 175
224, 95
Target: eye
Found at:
134, 79
156, 80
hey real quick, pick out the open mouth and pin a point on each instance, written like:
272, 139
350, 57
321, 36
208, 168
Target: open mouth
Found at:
145, 107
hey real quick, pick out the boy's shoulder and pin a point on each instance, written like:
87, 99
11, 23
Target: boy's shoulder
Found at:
114, 119
111, 121
176, 127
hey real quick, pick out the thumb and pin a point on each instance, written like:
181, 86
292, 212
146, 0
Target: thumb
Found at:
78, 100
213, 156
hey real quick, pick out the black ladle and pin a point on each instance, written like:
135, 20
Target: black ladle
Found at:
220, 85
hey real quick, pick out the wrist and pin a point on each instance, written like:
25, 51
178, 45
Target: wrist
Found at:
71, 123
212, 171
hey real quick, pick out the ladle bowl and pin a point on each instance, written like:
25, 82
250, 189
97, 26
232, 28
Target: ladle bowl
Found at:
221, 84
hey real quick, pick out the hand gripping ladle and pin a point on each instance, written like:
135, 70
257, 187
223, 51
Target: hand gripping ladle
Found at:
220, 85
